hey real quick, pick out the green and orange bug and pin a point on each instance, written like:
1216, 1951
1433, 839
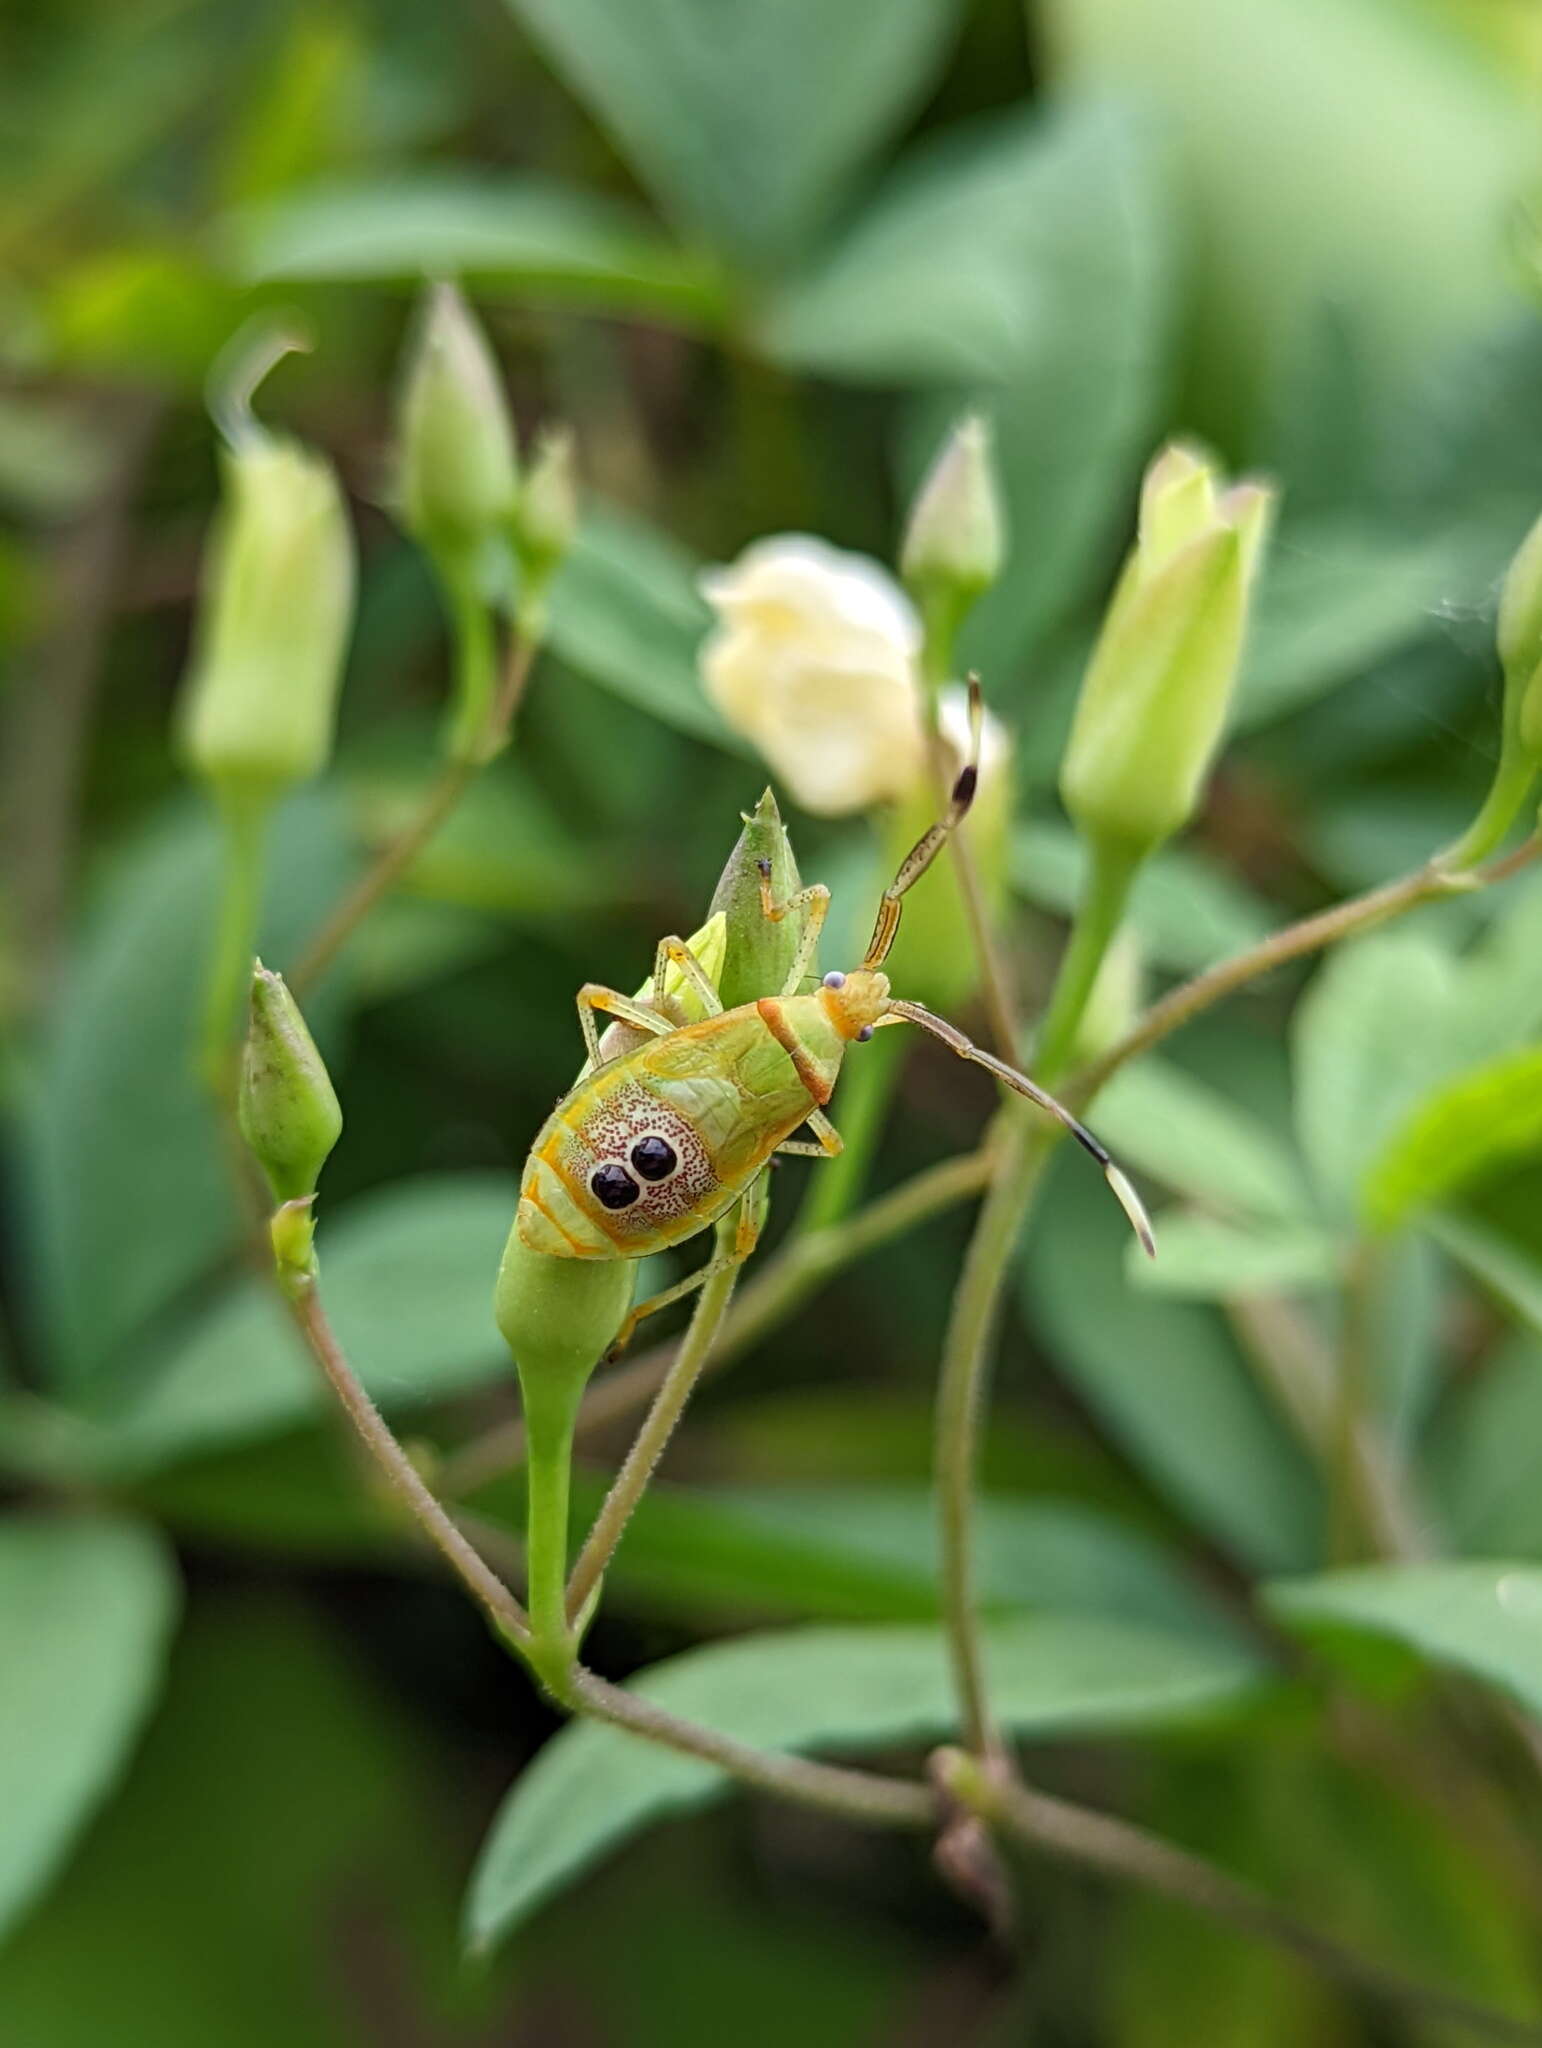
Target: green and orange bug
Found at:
655, 1145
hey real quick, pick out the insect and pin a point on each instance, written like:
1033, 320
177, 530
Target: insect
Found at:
655, 1145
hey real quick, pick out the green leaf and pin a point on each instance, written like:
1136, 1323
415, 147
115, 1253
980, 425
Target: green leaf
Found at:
1483, 1617
406, 1276
1484, 1120
548, 240
1483, 1465
130, 1185
1197, 1141
841, 1691
1167, 1381
626, 612
1201, 1258
1500, 1266
86, 1609
1185, 908
1022, 264
748, 123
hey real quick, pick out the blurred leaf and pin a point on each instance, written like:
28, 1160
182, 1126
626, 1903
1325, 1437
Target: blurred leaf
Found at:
306, 113
1499, 1265
1023, 263
1201, 1258
1488, 1118
129, 1185
51, 459
626, 612
86, 1609
1482, 1617
1483, 1462
1166, 1380
546, 239
748, 123
406, 1275
1194, 1139
1186, 909
835, 1690
1405, 1334
146, 310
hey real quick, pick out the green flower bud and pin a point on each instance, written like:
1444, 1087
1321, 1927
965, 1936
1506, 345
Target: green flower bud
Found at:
1520, 642
458, 477
547, 519
955, 542
288, 1109
708, 945
758, 950
559, 1316
1160, 681
274, 608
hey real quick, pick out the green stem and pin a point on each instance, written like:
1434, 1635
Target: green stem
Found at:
244, 819
1508, 791
476, 664
551, 1410
1110, 874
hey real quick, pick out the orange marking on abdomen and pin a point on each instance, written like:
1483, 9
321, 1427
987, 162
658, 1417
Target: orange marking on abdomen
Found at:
771, 1016
566, 1235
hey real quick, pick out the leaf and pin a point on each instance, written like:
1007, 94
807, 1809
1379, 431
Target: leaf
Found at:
1201, 1258
406, 1277
626, 612
86, 1609
1021, 264
1483, 1464
835, 1690
748, 123
1166, 1380
1483, 1617
1500, 1266
1484, 1120
549, 240
1186, 910
129, 1186
1197, 1141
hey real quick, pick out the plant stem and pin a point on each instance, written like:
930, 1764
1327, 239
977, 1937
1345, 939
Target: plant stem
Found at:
1507, 793
1119, 1850
485, 1587
658, 1426
859, 1795
1111, 870
451, 784
476, 666
551, 1408
786, 1281
244, 821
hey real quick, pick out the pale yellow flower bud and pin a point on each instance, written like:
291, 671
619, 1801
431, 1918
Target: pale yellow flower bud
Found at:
954, 542
458, 478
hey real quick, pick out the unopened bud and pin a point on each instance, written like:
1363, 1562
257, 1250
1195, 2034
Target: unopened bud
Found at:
707, 948
288, 1109
559, 1316
458, 477
758, 950
1160, 682
275, 602
547, 520
954, 543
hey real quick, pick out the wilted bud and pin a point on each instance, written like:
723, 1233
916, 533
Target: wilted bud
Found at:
458, 478
1520, 642
274, 608
288, 1108
814, 658
548, 506
559, 1316
954, 543
758, 951
1160, 681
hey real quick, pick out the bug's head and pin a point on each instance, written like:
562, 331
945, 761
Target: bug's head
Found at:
854, 1002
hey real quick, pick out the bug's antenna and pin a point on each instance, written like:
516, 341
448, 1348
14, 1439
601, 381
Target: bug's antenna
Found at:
932, 840
966, 1049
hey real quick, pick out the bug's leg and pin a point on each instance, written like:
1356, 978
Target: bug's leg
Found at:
748, 1218
594, 996
815, 899
676, 953
830, 1143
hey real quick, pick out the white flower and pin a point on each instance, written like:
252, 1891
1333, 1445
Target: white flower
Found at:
814, 659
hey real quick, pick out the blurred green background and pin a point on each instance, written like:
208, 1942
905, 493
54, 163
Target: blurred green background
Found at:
757, 252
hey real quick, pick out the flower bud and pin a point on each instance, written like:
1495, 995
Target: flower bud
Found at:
1520, 642
758, 950
275, 602
814, 657
1160, 680
547, 520
458, 478
708, 945
559, 1316
288, 1109
954, 544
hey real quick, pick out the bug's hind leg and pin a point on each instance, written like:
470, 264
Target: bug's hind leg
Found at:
676, 953
815, 900
595, 997
830, 1145
748, 1216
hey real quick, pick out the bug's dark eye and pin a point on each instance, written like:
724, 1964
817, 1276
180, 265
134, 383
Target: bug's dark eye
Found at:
864, 1034
654, 1158
614, 1186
